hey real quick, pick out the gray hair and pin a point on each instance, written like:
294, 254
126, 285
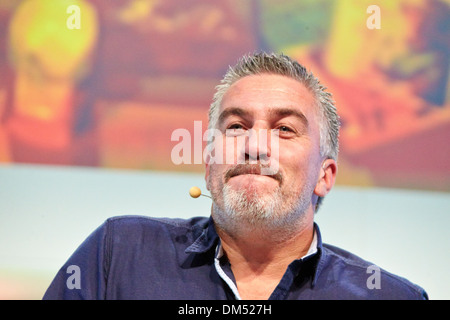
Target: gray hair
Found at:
260, 63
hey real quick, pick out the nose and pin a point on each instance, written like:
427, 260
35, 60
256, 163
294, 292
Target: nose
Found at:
257, 145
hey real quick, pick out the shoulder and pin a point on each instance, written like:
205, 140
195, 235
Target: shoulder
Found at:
366, 279
149, 238
136, 225
147, 221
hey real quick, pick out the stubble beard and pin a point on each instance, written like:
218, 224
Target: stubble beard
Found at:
277, 215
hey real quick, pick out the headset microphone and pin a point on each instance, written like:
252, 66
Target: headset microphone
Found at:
195, 192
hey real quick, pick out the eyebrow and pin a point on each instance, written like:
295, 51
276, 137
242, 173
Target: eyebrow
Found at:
273, 112
287, 112
233, 111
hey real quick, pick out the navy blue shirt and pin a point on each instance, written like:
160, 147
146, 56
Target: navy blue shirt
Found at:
135, 257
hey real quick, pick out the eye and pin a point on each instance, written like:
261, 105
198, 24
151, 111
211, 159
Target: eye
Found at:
235, 126
234, 130
285, 129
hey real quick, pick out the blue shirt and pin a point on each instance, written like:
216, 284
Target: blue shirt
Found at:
134, 257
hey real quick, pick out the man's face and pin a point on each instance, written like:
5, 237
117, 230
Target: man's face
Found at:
257, 105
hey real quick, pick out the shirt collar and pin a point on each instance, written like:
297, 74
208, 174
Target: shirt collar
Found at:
319, 255
313, 247
206, 240
209, 239
311, 251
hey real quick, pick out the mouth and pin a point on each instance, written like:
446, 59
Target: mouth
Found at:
250, 169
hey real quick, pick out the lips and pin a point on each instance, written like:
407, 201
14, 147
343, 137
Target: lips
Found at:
249, 169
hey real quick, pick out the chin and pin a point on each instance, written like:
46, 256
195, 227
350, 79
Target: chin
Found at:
255, 192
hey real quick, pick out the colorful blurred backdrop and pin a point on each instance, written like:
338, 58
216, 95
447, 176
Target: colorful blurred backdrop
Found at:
105, 83
110, 93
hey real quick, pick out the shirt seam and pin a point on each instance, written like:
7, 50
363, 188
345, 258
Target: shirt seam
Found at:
165, 221
107, 252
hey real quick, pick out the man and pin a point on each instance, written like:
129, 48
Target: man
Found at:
261, 241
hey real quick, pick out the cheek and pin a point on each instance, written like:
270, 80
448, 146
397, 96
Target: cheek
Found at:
214, 179
227, 150
208, 182
299, 166
234, 149
293, 159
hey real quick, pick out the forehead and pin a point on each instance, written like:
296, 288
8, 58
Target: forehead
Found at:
261, 93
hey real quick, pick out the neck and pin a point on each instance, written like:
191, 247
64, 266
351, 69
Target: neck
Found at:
260, 248
258, 263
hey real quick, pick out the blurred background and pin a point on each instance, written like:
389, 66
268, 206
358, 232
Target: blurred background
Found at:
90, 96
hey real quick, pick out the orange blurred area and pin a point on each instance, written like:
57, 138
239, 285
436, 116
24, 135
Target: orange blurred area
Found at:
136, 136
23, 285
105, 84
110, 92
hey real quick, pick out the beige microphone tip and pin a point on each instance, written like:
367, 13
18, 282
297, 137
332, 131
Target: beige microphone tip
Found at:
195, 192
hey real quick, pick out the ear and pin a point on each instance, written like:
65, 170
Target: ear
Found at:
327, 178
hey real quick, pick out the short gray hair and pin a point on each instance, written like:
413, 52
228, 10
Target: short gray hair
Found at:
280, 64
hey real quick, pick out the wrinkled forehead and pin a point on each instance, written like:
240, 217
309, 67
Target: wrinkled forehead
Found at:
267, 94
